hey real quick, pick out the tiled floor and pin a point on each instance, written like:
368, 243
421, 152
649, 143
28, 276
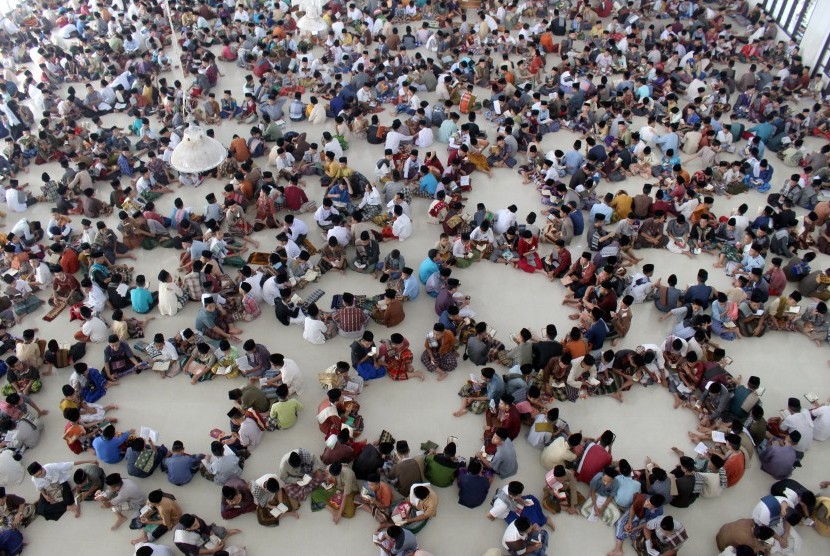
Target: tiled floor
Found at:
788, 364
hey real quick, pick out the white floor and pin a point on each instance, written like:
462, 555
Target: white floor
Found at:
788, 364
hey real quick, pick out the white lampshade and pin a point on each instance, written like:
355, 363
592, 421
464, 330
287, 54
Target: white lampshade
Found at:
197, 152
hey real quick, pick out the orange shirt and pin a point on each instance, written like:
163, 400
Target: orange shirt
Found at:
240, 151
247, 189
734, 467
576, 348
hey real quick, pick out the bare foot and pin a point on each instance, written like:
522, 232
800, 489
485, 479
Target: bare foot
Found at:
118, 522
460, 412
441, 375
677, 451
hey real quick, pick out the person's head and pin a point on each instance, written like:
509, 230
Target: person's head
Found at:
155, 496
421, 492
501, 436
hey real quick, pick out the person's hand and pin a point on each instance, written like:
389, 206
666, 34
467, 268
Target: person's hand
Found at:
824, 484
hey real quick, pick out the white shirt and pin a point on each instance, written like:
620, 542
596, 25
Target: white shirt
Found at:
291, 249
480, 235
270, 290
342, 233
402, 227
43, 275
500, 510
158, 549
511, 534
504, 219
394, 139
292, 376
821, 423
314, 331
55, 473
371, 198
249, 434
256, 289
21, 229
96, 299
425, 138
96, 329
335, 147
803, 423
13, 200
298, 228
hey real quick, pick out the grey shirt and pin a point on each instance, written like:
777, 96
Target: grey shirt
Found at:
504, 462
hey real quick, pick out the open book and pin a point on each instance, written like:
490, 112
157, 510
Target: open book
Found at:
149, 434
279, 510
719, 437
304, 481
223, 370
161, 365
243, 364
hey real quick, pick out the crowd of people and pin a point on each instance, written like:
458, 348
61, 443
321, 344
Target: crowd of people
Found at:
448, 98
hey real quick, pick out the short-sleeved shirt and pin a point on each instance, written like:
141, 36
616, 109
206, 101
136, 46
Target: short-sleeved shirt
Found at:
249, 434
504, 462
141, 300
285, 412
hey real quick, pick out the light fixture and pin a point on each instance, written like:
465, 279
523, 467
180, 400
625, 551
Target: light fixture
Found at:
197, 152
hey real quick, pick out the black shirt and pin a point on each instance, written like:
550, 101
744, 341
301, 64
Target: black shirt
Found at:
542, 352
367, 463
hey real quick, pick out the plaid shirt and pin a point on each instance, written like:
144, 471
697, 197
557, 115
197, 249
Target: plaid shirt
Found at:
124, 165
261, 495
671, 539
251, 306
350, 319
50, 190
192, 284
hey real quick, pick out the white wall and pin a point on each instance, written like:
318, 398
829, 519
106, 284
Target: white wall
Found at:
814, 35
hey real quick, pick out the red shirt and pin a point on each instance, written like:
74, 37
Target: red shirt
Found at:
295, 197
69, 261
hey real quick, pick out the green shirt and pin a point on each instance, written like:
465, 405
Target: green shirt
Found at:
286, 412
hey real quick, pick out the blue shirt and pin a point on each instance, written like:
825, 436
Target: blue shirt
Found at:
181, 468
444, 319
411, 288
141, 300
603, 209
596, 334
667, 141
472, 489
495, 388
573, 160
578, 221
109, 451
428, 268
626, 489
429, 184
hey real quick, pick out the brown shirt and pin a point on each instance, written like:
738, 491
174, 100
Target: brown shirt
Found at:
642, 204
407, 472
394, 314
